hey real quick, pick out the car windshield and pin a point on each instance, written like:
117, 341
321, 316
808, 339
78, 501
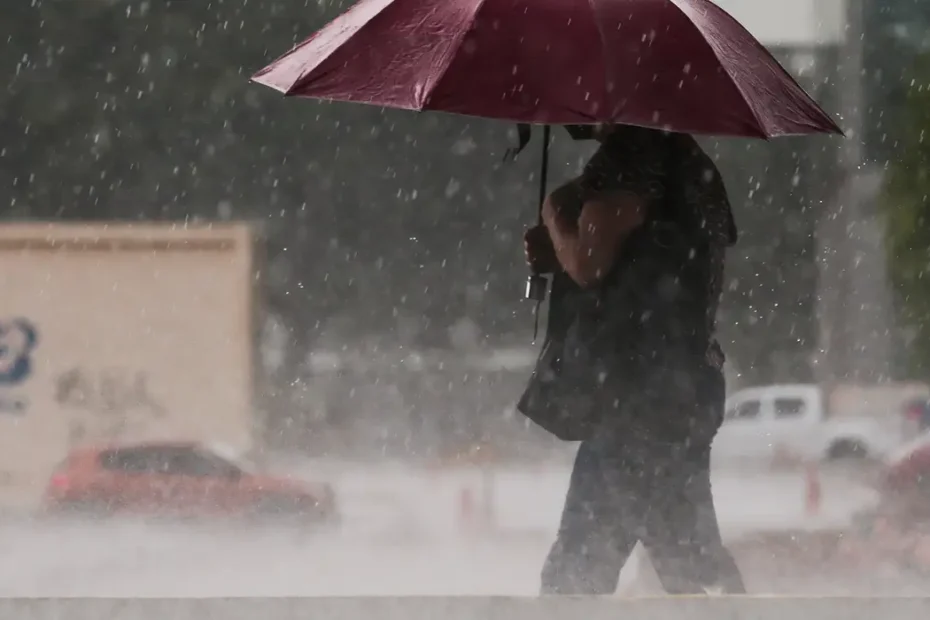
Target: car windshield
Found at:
231, 456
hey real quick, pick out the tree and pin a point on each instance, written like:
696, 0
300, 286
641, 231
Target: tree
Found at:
907, 211
895, 31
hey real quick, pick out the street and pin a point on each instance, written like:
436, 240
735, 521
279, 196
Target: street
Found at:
405, 531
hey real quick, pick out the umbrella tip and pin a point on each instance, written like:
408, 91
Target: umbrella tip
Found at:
834, 126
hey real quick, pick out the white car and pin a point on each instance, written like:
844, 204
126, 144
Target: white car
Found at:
802, 421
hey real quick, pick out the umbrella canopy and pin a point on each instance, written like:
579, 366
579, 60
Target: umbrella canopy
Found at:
681, 65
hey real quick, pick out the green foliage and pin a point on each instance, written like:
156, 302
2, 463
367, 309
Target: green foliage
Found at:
895, 30
908, 216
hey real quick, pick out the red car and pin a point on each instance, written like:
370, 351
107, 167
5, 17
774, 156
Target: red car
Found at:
909, 468
178, 479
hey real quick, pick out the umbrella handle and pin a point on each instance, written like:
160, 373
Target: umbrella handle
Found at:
536, 284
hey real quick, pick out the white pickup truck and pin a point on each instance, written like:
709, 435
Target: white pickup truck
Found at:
810, 422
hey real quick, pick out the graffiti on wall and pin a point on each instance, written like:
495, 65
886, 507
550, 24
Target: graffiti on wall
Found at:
18, 340
106, 402
106, 392
102, 404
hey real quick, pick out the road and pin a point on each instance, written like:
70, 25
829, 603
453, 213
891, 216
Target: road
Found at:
404, 533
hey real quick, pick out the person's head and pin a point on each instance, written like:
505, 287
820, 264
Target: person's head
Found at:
602, 131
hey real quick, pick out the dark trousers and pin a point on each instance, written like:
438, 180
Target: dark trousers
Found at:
629, 485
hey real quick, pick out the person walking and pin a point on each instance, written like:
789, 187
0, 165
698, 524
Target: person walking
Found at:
637, 243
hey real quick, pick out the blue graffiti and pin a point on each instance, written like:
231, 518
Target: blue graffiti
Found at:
18, 339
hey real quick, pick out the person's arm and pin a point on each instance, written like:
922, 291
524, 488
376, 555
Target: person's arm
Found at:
590, 218
587, 244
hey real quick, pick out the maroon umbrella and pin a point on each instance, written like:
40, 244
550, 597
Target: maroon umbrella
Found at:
683, 65
680, 65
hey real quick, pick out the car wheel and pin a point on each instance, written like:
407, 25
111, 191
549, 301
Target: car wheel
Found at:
290, 510
274, 507
847, 449
320, 516
84, 509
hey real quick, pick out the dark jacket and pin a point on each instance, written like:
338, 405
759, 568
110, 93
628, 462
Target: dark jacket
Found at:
653, 317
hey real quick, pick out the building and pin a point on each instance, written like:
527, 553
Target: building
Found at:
791, 23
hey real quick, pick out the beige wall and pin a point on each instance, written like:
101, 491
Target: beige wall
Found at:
143, 332
803, 23
888, 399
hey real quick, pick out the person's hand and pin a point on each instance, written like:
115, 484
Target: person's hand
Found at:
539, 251
563, 206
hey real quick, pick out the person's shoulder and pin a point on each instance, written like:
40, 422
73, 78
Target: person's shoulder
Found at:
631, 160
697, 164
705, 192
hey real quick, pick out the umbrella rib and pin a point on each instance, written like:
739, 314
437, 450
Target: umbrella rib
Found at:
302, 79
450, 57
604, 55
824, 117
762, 131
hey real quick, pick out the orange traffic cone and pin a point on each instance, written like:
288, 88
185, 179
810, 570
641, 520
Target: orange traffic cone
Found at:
813, 491
468, 515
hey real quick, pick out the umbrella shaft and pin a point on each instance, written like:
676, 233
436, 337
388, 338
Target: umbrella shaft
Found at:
544, 169
537, 285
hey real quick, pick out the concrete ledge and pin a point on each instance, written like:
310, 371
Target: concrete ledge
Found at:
457, 608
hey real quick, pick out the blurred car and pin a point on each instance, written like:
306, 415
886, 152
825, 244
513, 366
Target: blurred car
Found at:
178, 479
886, 541
894, 532
908, 468
918, 412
